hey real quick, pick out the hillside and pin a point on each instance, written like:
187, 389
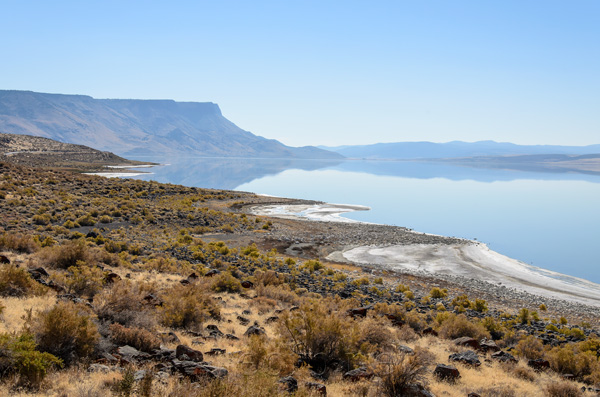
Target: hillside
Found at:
432, 150
138, 127
124, 287
33, 151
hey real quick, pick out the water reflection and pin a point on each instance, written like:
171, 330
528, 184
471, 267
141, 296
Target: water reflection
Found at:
229, 173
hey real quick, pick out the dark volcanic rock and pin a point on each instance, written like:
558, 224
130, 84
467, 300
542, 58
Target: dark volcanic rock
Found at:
446, 372
467, 342
358, 374
193, 355
487, 345
468, 357
318, 387
254, 330
504, 357
539, 364
289, 384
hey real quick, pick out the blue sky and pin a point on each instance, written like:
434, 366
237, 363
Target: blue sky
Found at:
327, 72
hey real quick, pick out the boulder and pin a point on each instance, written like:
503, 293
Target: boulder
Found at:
467, 342
487, 345
447, 373
192, 354
243, 320
198, 371
468, 357
359, 311
254, 330
247, 284
406, 350
417, 390
215, 352
504, 357
211, 273
4, 260
111, 278
358, 374
214, 331
429, 331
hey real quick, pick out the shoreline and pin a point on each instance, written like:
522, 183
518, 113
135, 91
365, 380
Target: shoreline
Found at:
463, 260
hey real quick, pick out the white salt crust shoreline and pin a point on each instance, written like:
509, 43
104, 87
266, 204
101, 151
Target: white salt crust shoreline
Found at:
473, 260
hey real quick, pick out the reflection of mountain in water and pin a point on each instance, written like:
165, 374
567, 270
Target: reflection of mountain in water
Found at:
480, 172
225, 173
229, 173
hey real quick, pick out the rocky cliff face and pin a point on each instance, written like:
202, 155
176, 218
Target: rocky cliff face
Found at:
138, 127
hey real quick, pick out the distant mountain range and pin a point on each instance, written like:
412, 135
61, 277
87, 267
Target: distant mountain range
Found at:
431, 150
131, 127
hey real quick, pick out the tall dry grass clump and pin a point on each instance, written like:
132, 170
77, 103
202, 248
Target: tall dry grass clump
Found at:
456, 326
400, 371
17, 242
15, 281
124, 303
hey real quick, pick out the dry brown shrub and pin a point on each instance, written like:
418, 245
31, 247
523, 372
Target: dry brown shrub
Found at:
375, 335
399, 371
498, 391
281, 293
407, 334
568, 360
17, 242
268, 277
139, 338
65, 330
523, 373
458, 326
123, 303
562, 389
72, 253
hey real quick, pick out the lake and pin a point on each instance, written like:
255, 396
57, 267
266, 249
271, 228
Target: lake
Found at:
547, 219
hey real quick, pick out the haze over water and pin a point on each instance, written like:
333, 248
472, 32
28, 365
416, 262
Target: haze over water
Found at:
550, 220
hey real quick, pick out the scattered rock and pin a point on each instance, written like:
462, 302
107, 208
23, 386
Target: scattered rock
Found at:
406, 350
99, 368
214, 331
447, 373
467, 342
231, 337
243, 320
211, 273
197, 371
318, 387
359, 311
416, 391
193, 355
215, 352
468, 357
487, 345
358, 374
111, 278
539, 364
247, 284
504, 357
254, 330
289, 384
429, 331
271, 319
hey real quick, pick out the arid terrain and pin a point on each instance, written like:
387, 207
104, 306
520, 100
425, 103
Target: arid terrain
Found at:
125, 287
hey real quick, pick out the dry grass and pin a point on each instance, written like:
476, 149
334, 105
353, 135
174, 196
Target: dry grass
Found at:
16, 308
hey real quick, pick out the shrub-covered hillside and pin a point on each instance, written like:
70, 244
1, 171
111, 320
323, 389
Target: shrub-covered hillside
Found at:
132, 288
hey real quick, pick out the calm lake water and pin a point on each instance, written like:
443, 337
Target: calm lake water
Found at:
548, 219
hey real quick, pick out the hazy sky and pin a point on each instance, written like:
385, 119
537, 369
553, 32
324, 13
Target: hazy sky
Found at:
327, 72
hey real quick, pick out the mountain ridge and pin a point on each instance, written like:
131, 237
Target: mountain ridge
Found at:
453, 149
138, 127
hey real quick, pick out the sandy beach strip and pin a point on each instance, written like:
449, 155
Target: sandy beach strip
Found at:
118, 174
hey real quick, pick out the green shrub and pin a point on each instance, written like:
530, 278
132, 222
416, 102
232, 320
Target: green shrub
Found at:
16, 281
42, 219
65, 330
524, 316
530, 347
437, 293
479, 305
567, 360
105, 219
225, 282
139, 338
187, 307
84, 280
312, 265
18, 354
